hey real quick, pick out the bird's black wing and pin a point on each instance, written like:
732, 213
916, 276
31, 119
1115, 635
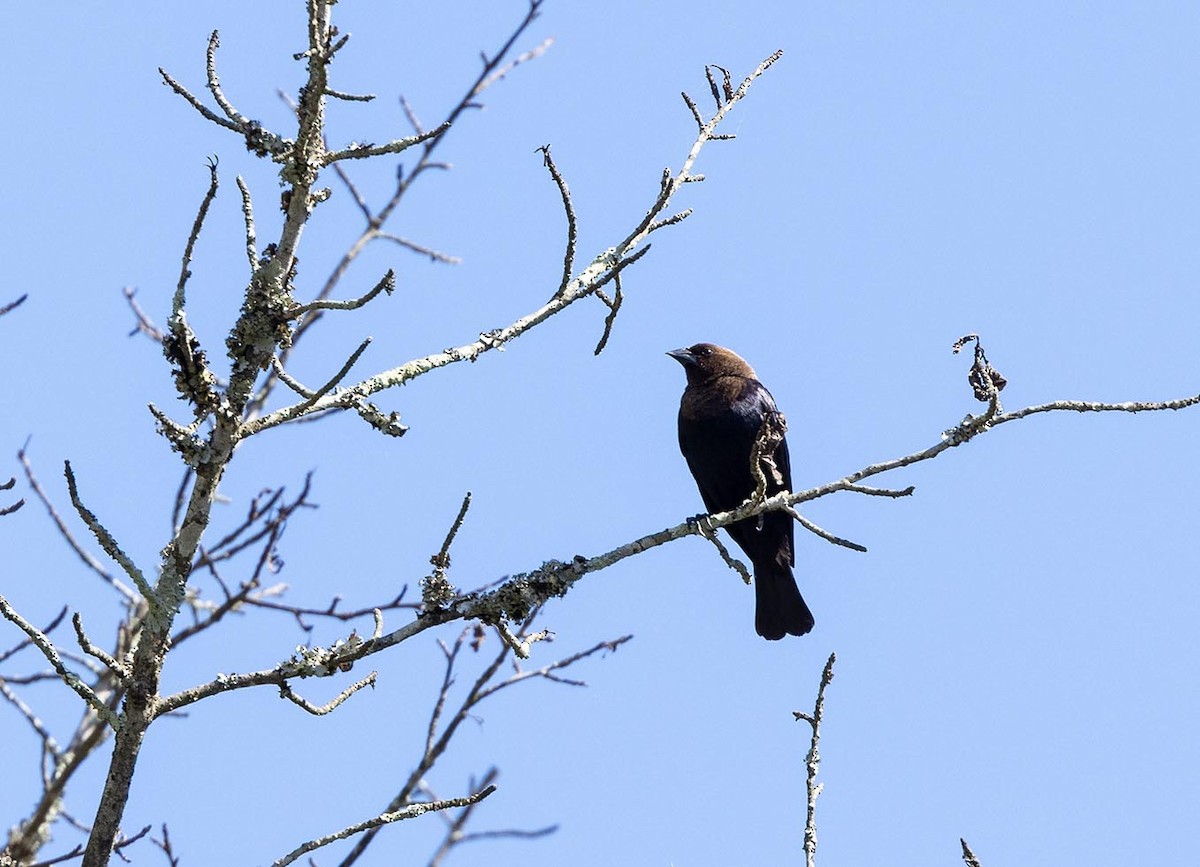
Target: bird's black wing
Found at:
715, 436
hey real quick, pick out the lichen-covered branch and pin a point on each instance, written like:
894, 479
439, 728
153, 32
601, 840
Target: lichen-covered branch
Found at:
66, 675
105, 538
812, 763
365, 151
518, 595
64, 531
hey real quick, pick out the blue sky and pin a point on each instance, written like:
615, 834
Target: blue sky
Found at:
1017, 651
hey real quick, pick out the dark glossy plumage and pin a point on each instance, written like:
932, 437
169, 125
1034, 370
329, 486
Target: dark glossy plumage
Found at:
720, 416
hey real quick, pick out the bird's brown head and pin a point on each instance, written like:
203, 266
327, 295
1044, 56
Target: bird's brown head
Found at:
706, 361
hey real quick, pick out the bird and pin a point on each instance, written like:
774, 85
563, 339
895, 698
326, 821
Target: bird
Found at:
720, 416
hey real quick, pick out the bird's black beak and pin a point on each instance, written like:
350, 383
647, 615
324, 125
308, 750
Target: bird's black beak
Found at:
683, 356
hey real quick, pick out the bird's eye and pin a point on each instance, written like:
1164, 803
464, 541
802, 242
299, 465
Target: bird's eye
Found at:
705, 351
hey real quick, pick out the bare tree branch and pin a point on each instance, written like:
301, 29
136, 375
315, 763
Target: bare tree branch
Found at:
968, 856
64, 531
603, 268
494, 69
569, 208
813, 763
519, 594
116, 668
434, 255
436, 589
8, 486
122, 843
409, 812
70, 678
824, 534
107, 542
386, 284
360, 152
285, 691
49, 745
165, 845
145, 325
204, 110
251, 237
442, 726
456, 836
709, 532
13, 305
613, 306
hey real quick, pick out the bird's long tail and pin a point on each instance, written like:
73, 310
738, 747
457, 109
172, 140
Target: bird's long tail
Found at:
779, 608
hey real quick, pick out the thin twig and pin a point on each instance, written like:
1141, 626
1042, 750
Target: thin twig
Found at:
204, 110
434, 255
409, 812
116, 668
386, 284
436, 589
349, 97
286, 378
362, 152
49, 744
712, 84
145, 324
214, 83
520, 646
165, 845
49, 651
13, 305
812, 763
12, 507
285, 691
24, 643
185, 272
78, 850
524, 57
968, 856
248, 219
88, 560
881, 492
299, 612
107, 542
823, 533
572, 226
441, 729
709, 532
456, 836
613, 306
547, 671
336, 378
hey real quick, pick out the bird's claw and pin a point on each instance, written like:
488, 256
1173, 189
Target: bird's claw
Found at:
703, 525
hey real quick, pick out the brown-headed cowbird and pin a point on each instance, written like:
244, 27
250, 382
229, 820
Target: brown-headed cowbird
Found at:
720, 416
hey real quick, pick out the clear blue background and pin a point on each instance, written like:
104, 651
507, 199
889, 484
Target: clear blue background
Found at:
1017, 652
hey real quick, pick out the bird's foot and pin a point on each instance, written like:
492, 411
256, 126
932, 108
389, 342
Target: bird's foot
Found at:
703, 524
